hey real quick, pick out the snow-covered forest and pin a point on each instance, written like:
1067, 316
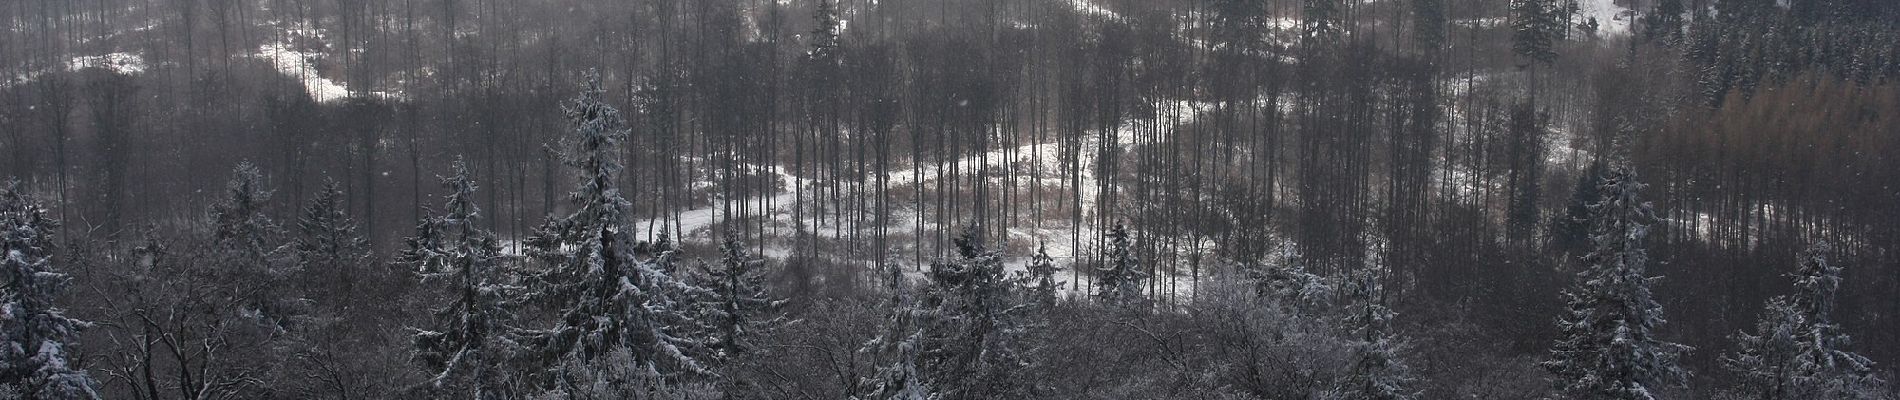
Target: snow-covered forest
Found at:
949, 199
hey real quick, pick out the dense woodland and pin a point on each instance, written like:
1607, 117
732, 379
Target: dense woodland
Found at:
949, 199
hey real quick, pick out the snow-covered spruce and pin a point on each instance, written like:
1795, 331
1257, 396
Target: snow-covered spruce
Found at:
1039, 278
738, 308
1797, 351
467, 350
1120, 277
1608, 347
896, 348
328, 247
973, 325
1378, 370
607, 296
34, 332
248, 252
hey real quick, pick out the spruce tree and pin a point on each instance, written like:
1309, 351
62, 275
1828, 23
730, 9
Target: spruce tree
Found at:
1534, 29
36, 336
1797, 351
248, 255
972, 325
1608, 347
738, 306
1119, 278
328, 247
467, 350
607, 295
1039, 278
897, 348
1378, 372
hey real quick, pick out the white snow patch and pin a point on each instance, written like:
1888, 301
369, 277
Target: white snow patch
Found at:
297, 64
122, 63
1612, 19
1087, 7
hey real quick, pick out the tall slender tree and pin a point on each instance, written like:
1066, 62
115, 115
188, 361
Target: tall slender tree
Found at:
468, 348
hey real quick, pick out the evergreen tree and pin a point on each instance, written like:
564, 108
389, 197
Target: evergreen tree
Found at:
898, 348
1377, 370
36, 336
1428, 28
468, 350
1570, 232
1664, 22
1285, 282
1797, 352
824, 34
1119, 278
607, 296
247, 255
972, 325
328, 248
1534, 29
1607, 346
1240, 26
1039, 278
1323, 22
738, 306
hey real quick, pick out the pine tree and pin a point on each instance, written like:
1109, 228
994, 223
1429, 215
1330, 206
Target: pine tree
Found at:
738, 306
328, 248
36, 336
1608, 347
1797, 352
1378, 371
468, 350
607, 295
1119, 278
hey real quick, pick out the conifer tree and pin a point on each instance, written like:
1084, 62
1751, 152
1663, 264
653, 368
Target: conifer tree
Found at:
1119, 278
1039, 278
247, 254
1378, 372
738, 307
607, 295
1322, 22
898, 348
468, 349
1608, 347
328, 247
36, 336
972, 325
1796, 351
1534, 29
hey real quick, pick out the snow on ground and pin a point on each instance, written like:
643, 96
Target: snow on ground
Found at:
297, 63
1612, 19
697, 224
1089, 8
122, 63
